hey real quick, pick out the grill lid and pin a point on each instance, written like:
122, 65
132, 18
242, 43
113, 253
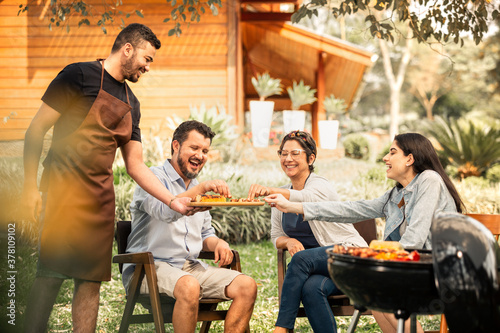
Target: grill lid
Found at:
465, 260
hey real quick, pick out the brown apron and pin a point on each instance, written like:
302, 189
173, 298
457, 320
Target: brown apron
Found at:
78, 227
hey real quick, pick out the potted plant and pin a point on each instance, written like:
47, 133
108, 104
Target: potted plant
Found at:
261, 111
329, 128
300, 94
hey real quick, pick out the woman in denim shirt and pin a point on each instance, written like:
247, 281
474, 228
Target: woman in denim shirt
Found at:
423, 189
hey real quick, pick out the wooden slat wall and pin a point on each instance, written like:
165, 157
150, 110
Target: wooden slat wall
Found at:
189, 70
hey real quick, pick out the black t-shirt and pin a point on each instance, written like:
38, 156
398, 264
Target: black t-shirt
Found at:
74, 90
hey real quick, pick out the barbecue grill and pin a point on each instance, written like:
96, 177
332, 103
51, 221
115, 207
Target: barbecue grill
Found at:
459, 277
401, 287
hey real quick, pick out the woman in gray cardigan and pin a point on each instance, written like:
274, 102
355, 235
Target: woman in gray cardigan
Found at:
289, 231
423, 189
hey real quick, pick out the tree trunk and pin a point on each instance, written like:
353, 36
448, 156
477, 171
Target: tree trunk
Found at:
395, 81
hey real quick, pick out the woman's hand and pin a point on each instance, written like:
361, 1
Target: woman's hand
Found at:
282, 204
293, 246
257, 190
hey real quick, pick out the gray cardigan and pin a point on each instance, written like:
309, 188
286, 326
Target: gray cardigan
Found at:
318, 188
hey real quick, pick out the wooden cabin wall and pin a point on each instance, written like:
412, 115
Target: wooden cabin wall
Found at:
186, 71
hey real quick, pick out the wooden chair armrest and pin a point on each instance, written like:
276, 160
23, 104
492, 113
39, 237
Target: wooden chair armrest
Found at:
282, 253
234, 265
134, 258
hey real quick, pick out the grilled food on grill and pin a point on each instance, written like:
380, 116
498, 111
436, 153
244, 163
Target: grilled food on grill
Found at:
384, 254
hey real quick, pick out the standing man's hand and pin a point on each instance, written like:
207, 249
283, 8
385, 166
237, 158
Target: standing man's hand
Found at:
179, 204
30, 205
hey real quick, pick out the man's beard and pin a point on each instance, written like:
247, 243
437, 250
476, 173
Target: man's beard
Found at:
184, 169
130, 69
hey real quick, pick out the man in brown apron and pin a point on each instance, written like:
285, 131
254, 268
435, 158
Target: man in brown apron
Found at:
93, 112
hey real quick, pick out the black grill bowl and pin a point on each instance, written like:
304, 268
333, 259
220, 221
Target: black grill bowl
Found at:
387, 286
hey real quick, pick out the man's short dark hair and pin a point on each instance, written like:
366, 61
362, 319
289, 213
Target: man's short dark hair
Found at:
182, 131
135, 34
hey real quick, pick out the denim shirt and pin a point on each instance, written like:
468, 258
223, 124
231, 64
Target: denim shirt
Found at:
424, 197
169, 235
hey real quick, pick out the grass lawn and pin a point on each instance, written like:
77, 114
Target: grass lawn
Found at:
258, 261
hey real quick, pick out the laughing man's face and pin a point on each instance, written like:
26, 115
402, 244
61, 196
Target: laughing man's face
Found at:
191, 156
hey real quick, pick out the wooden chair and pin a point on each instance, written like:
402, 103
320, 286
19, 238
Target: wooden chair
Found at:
341, 305
159, 305
490, 221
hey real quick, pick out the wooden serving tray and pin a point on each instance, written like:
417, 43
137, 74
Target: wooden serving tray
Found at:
225, 204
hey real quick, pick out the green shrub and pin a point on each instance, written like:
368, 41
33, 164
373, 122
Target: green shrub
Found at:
385, 151
476, 182
469, 145
356, 146
226, 139
451, 171
376, 176
493, 174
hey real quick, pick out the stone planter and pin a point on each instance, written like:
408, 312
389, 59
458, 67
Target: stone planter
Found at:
293, 120
261, 116
328, 133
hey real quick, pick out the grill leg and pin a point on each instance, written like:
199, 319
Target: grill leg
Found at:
413, 323
401, 325
354, 321
401, 316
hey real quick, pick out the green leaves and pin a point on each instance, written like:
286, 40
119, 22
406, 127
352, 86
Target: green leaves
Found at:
60, 12
472, 147
301, 94
334, 106
195, 8
266, 86
442, 21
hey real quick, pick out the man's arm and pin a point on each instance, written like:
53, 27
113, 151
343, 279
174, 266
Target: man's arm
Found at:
44, 119
132, 156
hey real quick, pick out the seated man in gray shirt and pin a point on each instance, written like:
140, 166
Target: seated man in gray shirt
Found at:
176, 240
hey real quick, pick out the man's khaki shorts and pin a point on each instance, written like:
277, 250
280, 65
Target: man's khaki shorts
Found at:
213, 280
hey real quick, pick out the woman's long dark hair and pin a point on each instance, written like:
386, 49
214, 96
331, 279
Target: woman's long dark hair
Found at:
425, 158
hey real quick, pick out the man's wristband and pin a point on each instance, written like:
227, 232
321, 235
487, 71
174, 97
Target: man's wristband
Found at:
170, 204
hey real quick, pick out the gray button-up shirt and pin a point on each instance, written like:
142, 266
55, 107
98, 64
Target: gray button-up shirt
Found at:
424, 197
170, 236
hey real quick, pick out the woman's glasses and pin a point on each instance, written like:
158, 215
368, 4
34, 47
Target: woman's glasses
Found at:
293, 153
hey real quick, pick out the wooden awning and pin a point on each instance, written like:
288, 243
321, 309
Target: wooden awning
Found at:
289, 52
267, 10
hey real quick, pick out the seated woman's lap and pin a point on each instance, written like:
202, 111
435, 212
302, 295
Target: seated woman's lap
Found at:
319, 286
310, 261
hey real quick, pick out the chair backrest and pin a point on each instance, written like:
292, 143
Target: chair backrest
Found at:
367, 229
490, 221
123, 229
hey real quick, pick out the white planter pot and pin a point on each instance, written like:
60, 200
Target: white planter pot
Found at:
261, 116
293, 120
328, 133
